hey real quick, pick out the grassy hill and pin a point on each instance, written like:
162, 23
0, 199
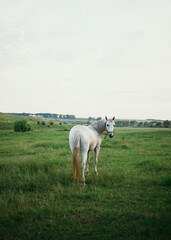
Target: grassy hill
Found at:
129, 199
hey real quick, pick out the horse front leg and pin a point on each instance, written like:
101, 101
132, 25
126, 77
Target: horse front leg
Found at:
88, 161
96, 160
84, 156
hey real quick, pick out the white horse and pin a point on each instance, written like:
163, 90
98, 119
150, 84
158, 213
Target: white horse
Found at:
86, 139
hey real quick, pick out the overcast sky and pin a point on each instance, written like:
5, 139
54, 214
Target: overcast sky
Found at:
87, 58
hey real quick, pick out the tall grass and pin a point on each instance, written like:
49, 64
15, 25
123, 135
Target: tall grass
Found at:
129, 199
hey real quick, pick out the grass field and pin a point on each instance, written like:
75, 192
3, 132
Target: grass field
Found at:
129, 199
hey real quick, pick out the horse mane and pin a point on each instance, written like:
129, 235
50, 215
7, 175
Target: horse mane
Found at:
99, 126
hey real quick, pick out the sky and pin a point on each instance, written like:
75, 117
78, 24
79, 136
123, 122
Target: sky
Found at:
87, 58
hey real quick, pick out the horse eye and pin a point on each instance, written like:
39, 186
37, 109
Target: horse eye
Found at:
107, 125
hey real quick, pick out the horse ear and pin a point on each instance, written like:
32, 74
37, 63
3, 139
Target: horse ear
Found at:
113, 118
105, 117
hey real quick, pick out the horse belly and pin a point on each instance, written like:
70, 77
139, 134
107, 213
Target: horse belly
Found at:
94, 141
93, 144
88, 144
92, 147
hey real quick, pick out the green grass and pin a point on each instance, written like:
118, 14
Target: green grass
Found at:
129, 199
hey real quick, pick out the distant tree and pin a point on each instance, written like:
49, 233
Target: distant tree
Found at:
158, 124
146, 124
43, 123
140, 124
167, 124
132, 123
91, 118
72, 117
125, 123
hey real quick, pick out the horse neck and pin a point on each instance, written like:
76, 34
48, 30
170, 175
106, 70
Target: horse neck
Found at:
99, 126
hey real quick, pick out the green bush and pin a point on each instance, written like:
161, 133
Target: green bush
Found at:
22, 126
167, 124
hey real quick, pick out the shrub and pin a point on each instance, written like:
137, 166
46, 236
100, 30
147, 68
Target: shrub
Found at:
22, 126
43, 123
51, 123
167, 124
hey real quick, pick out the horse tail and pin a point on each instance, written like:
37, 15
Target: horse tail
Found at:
76, 164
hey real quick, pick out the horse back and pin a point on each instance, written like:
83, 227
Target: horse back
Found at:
83, 137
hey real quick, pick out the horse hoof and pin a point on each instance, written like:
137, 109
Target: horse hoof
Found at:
96, 173
83, 184
75, 181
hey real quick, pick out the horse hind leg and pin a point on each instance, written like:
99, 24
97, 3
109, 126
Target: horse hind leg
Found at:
84, 155
76, 167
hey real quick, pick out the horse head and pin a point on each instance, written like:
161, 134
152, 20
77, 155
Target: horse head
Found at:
110, 126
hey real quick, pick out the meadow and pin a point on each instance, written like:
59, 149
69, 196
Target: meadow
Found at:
129, 199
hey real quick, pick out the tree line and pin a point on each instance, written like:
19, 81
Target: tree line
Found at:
118, 123
134, 123
46, 115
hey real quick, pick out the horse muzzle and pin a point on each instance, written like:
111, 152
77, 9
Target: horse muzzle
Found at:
111, 134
